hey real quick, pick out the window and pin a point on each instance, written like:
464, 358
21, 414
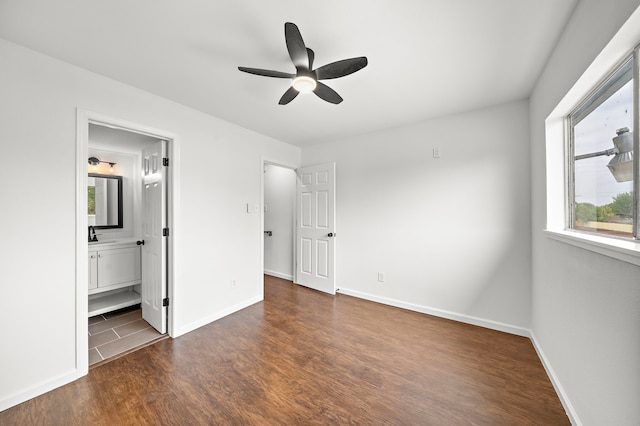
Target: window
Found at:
602, 193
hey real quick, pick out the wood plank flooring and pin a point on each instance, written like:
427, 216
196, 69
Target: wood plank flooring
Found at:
303, 357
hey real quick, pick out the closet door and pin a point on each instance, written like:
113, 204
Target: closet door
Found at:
315, 227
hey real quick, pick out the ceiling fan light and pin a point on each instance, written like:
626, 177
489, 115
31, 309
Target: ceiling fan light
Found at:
304, 84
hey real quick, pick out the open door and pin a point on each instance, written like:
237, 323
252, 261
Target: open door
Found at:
154, 249
315, 227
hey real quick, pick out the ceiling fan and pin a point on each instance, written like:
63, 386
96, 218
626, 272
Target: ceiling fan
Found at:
306, 78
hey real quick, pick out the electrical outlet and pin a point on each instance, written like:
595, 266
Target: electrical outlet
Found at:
381, 277
233, 283
436, 152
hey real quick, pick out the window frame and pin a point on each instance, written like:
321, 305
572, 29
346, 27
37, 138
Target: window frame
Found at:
554, 186
615, 79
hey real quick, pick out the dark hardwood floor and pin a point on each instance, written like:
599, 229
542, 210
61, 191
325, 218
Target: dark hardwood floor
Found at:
302, 357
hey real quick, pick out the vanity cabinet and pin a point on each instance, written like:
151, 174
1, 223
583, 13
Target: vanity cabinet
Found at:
114, 269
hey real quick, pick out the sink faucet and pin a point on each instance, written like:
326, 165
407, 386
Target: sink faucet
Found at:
92, 230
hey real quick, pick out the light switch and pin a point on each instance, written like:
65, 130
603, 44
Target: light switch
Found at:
436, 152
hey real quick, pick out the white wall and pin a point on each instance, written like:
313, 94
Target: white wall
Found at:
216, 240
586, 307
451, 234
279, 200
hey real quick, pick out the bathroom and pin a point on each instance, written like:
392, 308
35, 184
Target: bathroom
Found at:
120, 246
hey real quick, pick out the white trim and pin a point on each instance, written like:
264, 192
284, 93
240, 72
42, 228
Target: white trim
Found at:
41, 389
468, 319
278, 275
624, 250
83, 119
82, 246
216, 316
555, 381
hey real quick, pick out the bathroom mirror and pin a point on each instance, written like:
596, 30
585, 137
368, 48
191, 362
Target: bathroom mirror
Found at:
104, 201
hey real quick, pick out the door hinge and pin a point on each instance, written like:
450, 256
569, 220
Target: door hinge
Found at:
165, 232
165, 301
165, 162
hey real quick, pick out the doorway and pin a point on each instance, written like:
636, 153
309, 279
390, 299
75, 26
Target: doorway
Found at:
121, 148
306, 210
279, 191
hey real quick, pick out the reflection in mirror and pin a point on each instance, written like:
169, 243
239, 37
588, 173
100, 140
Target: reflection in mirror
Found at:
104, 195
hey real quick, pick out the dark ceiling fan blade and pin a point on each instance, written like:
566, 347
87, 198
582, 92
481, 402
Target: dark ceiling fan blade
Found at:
266, 73
327, 93
288, 96
311, 56
296, 47
341, 68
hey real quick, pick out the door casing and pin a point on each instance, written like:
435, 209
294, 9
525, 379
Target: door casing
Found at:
83, 119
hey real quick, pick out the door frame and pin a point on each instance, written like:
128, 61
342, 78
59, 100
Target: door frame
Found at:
83, 119
263, 163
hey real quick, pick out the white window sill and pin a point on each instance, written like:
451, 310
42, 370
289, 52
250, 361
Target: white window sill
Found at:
624, 250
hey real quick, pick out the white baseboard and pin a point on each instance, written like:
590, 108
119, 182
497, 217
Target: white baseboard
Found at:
279, 275
217, 315
39, 389
564, 398
493, 325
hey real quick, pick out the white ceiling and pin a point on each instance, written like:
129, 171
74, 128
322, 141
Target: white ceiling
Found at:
427, 58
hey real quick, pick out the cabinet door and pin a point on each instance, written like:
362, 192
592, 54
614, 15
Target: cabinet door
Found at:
93, 270
118, 266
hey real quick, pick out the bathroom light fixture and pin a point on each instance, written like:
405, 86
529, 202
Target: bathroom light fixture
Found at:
94, 161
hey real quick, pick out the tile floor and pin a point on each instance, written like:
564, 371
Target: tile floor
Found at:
117, 332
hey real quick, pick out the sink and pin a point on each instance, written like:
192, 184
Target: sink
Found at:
91, 243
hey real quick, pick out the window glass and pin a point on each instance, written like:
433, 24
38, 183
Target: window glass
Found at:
602, 161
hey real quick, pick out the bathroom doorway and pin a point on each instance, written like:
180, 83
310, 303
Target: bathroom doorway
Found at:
125, 302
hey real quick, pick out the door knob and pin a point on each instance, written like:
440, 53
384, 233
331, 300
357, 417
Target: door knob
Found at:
140, 243
331, 234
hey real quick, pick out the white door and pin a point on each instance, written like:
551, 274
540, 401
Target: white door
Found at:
154, 250
315, 227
